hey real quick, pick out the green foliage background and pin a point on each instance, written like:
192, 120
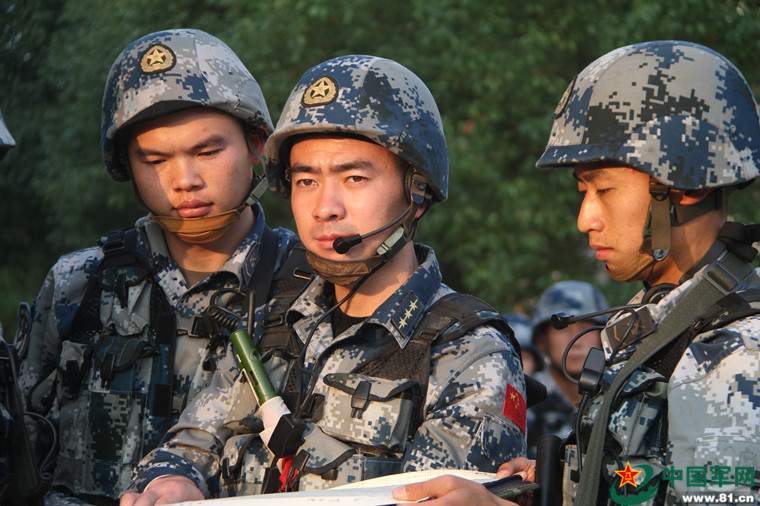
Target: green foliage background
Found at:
496, 68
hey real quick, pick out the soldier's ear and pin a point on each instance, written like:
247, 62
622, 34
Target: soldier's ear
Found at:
690, 197
256, 140
421, 210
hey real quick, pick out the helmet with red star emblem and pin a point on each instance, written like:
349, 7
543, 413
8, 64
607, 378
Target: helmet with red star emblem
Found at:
168, 71
372, 98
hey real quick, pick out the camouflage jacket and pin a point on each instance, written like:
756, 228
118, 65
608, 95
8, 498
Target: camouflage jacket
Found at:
108, 389
464, 426
698, 430
553, 415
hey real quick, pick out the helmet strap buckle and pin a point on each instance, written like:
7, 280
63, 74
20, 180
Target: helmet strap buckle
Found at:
258, 188
659, 210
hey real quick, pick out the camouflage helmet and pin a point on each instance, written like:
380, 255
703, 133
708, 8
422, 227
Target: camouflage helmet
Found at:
677, 111
573, 297
520, 325
168, 71
6, 139
369, 97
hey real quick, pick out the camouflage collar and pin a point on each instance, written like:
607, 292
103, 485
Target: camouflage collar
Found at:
399, 314
240, 264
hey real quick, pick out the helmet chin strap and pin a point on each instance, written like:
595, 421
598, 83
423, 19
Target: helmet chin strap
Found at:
205, 229
348, 272
662, 215
638, 267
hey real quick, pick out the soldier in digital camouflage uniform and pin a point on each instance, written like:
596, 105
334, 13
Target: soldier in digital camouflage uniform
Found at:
7, 420
658, 134
116, 351
359, 143
554, 415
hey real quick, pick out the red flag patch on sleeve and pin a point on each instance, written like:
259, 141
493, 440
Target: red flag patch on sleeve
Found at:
514, 407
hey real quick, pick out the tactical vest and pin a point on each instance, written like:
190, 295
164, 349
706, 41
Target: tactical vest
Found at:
390, 386
637, 430
106, 376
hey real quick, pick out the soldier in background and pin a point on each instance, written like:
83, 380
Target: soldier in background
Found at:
554, 415
393, 371
118, 342
658, 134
531, 359
10, 417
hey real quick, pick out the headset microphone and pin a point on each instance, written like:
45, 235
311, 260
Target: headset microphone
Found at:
342, 244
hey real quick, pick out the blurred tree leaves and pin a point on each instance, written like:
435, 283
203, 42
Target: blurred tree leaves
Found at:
497, 70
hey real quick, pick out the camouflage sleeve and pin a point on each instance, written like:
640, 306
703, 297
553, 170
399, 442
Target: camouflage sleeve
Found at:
194, 445
52, 314
475, 407
716, 389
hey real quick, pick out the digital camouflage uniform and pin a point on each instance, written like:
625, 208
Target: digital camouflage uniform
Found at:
105, 429
683, 114
7, 384
712, 413
6, 143
464, 426
474, 408
114, 373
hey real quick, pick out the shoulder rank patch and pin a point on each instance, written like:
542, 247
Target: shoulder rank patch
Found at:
21, 339
157, 58
515, 407
321, 92
408, 314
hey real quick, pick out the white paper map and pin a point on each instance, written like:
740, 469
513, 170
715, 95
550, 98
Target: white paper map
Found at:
374, 492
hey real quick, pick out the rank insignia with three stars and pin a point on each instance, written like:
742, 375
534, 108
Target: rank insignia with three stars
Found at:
408, 313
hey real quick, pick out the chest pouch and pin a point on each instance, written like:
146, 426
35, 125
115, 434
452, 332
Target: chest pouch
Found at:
637, 413
370, 411
114, 354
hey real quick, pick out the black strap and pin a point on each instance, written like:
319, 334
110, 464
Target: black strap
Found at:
261, 280
447, 319
466, 310
471, 312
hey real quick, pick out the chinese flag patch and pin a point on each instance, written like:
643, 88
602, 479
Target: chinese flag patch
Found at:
514, 407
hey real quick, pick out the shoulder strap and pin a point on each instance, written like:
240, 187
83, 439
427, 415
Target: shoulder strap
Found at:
466, 310
471, 312
292, 276
447, 319
119, 250
261, 280
732, 307
275, 334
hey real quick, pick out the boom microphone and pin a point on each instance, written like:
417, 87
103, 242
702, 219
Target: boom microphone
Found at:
342, 244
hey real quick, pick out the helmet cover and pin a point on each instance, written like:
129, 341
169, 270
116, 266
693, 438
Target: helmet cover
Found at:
678, 111
167, 71
572, 297
369, 97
